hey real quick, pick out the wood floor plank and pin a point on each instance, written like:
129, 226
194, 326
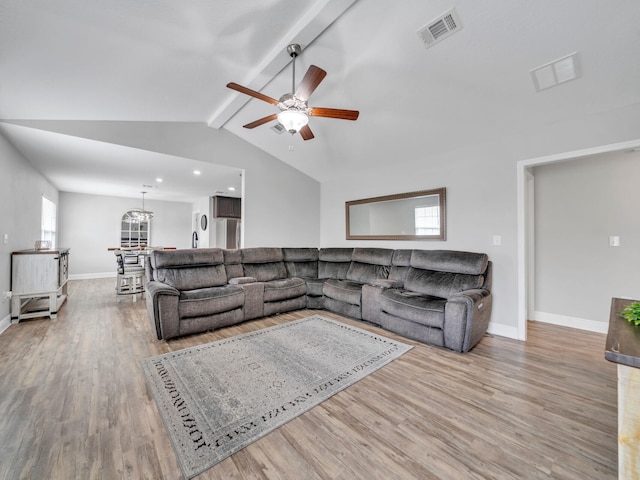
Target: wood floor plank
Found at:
74, 404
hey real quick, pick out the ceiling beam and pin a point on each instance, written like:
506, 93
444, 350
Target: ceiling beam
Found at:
304, 32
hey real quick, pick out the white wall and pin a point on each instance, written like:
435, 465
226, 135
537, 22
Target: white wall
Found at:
481, 194
579, 204
205, 237
21, 190
281, 205
90, 224
480, 203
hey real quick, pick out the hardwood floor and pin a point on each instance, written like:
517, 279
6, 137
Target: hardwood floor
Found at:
74, 405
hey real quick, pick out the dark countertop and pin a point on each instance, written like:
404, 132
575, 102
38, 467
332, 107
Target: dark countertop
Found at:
623, 339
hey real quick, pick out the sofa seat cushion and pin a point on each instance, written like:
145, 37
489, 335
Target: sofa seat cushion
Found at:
419, 308
343, 291
314, 286
209, 301
278, 290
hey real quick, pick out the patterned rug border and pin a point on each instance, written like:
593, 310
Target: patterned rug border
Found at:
185, 421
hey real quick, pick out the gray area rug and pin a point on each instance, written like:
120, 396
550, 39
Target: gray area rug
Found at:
216, 399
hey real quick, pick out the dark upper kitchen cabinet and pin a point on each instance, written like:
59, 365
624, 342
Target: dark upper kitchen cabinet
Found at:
227, 207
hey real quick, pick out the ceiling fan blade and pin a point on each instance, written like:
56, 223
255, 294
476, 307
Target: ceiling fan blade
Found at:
261, 121
252, 93
310, 82
306, 133
334, 113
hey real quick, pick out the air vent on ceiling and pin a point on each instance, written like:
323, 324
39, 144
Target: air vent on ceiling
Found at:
440, 28
278, 128
554, 73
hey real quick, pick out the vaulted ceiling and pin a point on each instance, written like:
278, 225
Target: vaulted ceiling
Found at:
159, 61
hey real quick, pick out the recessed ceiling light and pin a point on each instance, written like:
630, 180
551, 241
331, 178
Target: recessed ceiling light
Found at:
196, 172
233, 189
159, 180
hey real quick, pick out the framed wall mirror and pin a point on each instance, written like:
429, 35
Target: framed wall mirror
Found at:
405, 216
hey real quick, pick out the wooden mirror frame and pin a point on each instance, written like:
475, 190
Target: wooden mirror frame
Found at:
442, 202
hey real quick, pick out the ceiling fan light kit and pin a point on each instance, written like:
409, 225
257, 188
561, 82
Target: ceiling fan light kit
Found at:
293, 120
294, 112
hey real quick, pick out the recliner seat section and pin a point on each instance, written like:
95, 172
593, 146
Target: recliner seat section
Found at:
303, 263
281, 293
191, 292
441, 291
343, 293
439, 297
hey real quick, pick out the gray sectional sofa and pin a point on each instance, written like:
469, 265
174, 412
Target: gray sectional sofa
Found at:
439, 297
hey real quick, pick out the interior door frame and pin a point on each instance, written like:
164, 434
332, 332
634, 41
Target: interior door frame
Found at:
526, 212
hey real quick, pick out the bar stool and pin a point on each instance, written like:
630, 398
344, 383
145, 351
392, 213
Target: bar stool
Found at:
130, 275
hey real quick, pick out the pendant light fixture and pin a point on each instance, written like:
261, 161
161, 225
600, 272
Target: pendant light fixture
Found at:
141, 215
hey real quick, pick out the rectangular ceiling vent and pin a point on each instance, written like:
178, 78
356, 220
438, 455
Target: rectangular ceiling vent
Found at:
278, 128
440, 28
554, 73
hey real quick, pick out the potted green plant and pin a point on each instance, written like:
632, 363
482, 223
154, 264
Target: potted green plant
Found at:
632, 313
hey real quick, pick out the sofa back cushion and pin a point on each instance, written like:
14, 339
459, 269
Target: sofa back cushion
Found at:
443, 273
190, 268
440, 284
233, 263
334, 262
301, 262
264, 264
369, 264
450, 261
400, 265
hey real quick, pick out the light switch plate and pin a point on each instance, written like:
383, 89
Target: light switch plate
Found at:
614, 241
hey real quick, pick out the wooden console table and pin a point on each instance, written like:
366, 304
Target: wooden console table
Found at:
38, 282
623, 348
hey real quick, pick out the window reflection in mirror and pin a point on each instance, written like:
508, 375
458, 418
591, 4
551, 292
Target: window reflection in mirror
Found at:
406, 216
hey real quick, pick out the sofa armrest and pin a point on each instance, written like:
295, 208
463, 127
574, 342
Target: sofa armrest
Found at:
386, 283
466, 318
162, 309
242, 280
155, 288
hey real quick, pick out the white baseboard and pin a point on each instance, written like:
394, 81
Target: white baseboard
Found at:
503, 330
5, 323
87, 276
573, 322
